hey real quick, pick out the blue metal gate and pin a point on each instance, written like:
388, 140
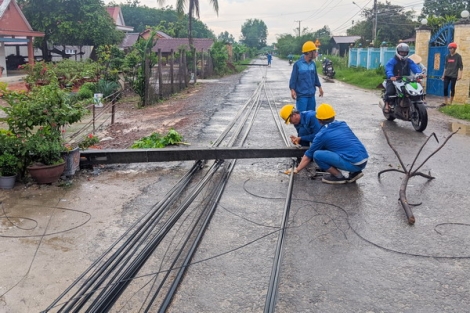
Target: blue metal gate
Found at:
436, 60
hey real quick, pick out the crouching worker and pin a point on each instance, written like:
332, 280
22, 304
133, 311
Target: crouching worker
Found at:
306, 124
335, 148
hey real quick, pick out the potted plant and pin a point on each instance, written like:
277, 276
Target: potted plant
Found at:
71, 155
8, 170
44, 148
89, 141
36, 118
9, 160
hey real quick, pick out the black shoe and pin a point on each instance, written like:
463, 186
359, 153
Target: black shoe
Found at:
331, 179
353, 176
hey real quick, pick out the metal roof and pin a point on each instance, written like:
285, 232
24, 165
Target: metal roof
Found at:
345, 39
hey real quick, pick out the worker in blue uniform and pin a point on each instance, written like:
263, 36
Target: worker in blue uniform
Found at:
304, 79
306, 124
335, 148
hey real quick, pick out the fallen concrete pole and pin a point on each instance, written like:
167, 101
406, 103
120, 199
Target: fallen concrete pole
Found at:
91, 157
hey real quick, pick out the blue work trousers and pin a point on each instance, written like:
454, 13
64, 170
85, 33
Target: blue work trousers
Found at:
305, 104
326, 159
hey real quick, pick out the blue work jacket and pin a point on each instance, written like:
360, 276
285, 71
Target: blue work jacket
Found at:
308, 126
304, 78
338, 137
395, 67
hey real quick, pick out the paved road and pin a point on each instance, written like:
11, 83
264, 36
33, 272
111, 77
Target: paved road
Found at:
349, 247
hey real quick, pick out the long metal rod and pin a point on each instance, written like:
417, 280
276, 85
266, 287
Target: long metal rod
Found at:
271, 296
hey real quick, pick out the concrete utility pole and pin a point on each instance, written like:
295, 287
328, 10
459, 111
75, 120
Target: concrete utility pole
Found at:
374, 27
299, 26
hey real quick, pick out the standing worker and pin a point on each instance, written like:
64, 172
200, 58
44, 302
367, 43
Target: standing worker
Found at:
335, 148
304, 79
306, 124
452, 72
270, 57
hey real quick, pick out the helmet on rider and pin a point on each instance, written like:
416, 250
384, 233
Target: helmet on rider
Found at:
308, 46
325, 112
402, 51
452, 45
286, 112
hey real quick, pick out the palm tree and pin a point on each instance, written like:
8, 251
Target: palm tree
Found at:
193, 8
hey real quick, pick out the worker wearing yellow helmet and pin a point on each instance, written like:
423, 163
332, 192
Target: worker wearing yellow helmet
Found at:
335, 148
304, 79
306, 124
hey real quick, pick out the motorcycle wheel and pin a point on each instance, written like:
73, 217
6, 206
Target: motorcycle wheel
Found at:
420, 119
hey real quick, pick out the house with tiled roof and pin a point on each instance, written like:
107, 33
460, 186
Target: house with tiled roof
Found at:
15, 28
116, 13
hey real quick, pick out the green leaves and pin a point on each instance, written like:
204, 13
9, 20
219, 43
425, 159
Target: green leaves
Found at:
156, 140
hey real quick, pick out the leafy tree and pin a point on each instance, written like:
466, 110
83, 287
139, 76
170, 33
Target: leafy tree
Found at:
394, 23
219, 55
70, 22
238, 51
138, 63
192, 10
442, 8
436, 22
226, 37
324, 36
254, 33
166, 19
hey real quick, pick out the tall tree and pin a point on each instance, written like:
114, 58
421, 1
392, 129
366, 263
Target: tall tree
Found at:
166, 19
393, 23
70, 22
254, 33
193, 10
226, 37
442, 8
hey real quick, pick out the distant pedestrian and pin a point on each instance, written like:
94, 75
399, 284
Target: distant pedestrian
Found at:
417, 59
304, 79
452, 72
270, 57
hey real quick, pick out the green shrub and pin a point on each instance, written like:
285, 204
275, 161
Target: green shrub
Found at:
84, 93
156, 140
106, 87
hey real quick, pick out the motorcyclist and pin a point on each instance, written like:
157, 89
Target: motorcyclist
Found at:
398, 66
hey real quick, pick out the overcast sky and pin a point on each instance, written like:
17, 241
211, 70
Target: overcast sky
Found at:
283, 16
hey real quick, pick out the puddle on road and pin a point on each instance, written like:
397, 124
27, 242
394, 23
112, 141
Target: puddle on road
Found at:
464, 129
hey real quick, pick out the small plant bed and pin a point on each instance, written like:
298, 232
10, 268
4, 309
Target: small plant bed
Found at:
458, 111
156, 140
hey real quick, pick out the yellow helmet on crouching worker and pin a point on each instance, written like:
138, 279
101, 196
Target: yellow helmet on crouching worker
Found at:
325, 112
308, 46
286, 111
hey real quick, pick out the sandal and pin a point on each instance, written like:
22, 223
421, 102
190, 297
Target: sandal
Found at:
442, 105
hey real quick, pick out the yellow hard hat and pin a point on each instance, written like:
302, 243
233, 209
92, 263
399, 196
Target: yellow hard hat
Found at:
308, 46
286, 112
325, 112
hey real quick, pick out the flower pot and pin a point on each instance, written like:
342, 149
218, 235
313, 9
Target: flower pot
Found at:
46, 174
72, 161
7, 182
97, 100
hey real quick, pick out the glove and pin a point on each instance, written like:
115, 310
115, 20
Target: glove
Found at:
287, 172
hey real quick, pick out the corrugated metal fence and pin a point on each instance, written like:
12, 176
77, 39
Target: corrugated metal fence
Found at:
371, 58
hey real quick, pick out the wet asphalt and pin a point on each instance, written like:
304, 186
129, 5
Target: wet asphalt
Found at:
348, 248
